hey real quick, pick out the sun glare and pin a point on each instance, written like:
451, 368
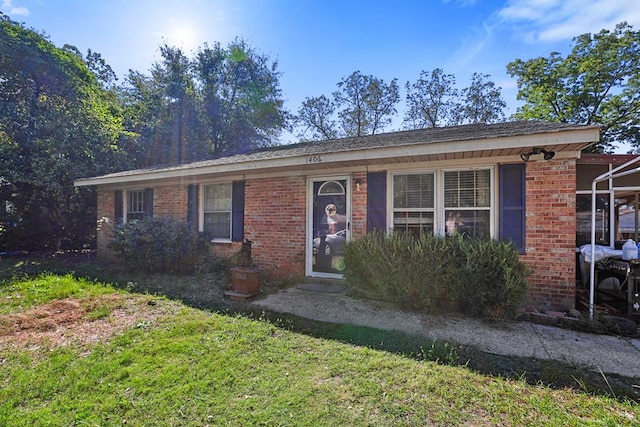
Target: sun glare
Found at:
182, 35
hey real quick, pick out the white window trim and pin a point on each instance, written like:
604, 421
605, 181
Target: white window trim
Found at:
201, 211
439, 208
125, 202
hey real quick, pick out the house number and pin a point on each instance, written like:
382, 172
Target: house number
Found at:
314, 159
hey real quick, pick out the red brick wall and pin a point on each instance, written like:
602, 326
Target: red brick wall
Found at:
550, 232
170, 202
275, 221
106, 220
359, 205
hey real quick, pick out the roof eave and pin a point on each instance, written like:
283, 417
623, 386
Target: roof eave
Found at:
572, 140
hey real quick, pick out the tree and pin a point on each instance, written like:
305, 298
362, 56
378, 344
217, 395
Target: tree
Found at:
57, 124
225, 100
481, 102
432, 101
162, 110
365, 105
597, 83
316, 116
244, 85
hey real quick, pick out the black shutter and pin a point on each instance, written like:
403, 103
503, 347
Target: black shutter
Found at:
237, 211
118, 206
377, 201
192, 206
148, 202
513, 204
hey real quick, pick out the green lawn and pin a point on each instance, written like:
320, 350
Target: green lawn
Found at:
164, 363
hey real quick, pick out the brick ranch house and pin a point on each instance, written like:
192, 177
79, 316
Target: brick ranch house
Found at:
299, 203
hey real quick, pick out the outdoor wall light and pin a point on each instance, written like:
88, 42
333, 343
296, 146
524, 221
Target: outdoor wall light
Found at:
548, 155
358, 182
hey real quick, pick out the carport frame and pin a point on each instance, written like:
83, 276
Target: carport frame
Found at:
613, 173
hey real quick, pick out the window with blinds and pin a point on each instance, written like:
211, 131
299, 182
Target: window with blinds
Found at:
414, 203
467, 202
460, 203
217, 210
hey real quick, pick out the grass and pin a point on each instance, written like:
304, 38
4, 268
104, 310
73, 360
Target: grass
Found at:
29, 292
179, 365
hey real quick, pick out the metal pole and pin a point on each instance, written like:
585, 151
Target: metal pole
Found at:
635, 214
592, 264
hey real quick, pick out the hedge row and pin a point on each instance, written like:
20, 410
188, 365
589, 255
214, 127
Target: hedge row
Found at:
481, 277
160, 245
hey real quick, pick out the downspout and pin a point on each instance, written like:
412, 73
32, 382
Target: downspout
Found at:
592, 265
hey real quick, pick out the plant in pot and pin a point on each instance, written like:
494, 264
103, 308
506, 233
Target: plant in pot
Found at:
245, 277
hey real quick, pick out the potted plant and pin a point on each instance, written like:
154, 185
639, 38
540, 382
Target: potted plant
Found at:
245, 277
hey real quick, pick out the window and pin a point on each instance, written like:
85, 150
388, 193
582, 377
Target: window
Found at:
467, 202
583, 219
413, 203
217, 210
135, 205
452, 201
132, 204
331, 188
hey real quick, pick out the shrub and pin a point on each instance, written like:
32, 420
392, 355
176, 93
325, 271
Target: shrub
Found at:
492, 281
159, 245
400, 268
484, 276
375, 266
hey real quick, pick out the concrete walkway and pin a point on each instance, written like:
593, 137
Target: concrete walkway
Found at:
612, 355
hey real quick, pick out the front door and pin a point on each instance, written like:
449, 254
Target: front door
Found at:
328, 226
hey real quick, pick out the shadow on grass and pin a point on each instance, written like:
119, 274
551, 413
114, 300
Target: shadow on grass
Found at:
206, 292
549, 373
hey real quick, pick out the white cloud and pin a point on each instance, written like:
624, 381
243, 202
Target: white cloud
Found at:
472, 46
11, 10
553, 20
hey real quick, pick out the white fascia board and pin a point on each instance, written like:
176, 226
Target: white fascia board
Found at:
573, 136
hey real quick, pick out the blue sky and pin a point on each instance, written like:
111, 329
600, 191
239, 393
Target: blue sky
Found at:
317, 43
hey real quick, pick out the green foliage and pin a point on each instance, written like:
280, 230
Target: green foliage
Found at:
492, 281
432, 101
597, 83
484, 276
57, 124
481, 101
315, 116
224, 100
365, 105
160, 245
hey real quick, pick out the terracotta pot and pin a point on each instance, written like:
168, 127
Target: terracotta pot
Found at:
245, 280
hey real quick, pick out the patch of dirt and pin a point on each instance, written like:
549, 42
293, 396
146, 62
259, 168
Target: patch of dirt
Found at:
69, 321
